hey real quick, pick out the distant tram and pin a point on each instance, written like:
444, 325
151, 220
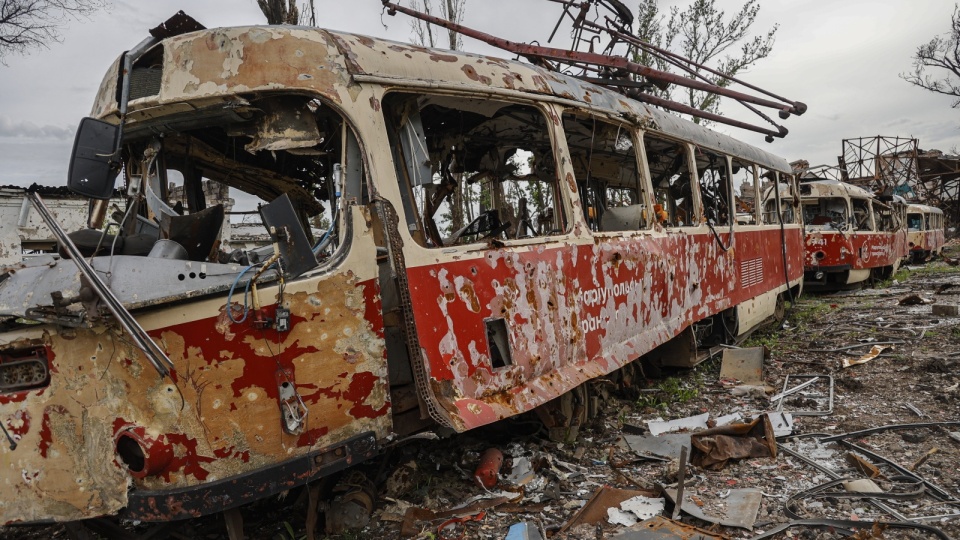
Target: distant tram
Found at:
925, 231
851, 236
499, 235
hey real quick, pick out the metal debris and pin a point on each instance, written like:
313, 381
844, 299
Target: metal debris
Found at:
595, 510
817, 400
661, 528
714, 448
744, 365
875, 351
738, 509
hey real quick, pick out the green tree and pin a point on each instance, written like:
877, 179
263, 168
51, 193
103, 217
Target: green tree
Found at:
942, 55
704, 34
34, 24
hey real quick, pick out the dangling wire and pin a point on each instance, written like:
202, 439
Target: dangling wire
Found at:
246, 291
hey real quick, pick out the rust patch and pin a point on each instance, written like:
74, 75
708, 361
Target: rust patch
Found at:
436, 57
473, 75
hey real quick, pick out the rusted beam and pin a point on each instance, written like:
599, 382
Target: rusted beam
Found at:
686, 109
609, 61
796, 107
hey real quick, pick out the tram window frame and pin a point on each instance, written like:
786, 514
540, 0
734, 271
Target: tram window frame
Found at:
787, 193
886, 217
917, 220
470, 153
830, 214
613, 188
672, 180
713, 179
745, 172
864, 220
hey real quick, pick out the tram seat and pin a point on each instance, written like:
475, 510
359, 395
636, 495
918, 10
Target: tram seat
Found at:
821, 220
622, 218
198, 232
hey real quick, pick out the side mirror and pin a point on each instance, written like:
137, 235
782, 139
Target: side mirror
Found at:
93, 165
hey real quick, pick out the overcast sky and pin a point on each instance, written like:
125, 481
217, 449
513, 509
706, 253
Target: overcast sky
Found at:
841, 58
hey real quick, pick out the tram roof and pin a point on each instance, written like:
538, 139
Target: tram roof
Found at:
212, 63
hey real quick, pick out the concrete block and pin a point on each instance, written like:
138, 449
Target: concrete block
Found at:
946, 310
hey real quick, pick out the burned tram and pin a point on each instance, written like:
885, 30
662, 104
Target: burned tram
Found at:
851, 236
491, 236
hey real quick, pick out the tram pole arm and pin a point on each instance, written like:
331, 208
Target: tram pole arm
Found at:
153, 352
563, 55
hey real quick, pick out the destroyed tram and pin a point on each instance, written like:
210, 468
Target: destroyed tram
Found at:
456, 239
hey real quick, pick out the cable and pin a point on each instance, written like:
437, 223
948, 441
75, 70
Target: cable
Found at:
246, 290
783, 247
326, 238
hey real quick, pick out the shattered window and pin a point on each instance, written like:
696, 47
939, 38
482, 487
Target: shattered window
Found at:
915, 222
672, 183
745, 191
825, 213
862, 215
201, 175
784, 188
605, 163
714, 186
886, 217
473, 170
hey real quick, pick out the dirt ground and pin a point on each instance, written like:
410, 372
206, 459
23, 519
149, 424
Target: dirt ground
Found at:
914, 379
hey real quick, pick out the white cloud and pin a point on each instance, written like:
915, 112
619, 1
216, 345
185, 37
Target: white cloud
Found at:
26, 128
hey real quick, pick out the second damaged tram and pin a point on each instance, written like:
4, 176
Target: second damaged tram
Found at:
498, 235
925, 232
851, 236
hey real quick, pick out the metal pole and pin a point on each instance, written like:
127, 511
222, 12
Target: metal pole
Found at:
154, 354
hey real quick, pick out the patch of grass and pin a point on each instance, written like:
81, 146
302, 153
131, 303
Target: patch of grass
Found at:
650, 401
672, 390
936, 268
809, 309
901, 276
677, 391
762, 339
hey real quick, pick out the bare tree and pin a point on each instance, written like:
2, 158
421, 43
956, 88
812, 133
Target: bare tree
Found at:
451, 10
280, 11
706, 36
34, 24
940, 53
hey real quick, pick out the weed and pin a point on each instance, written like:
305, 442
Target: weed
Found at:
671, 390
677, 391
762, 339
809, 309
935, 269
650, 401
